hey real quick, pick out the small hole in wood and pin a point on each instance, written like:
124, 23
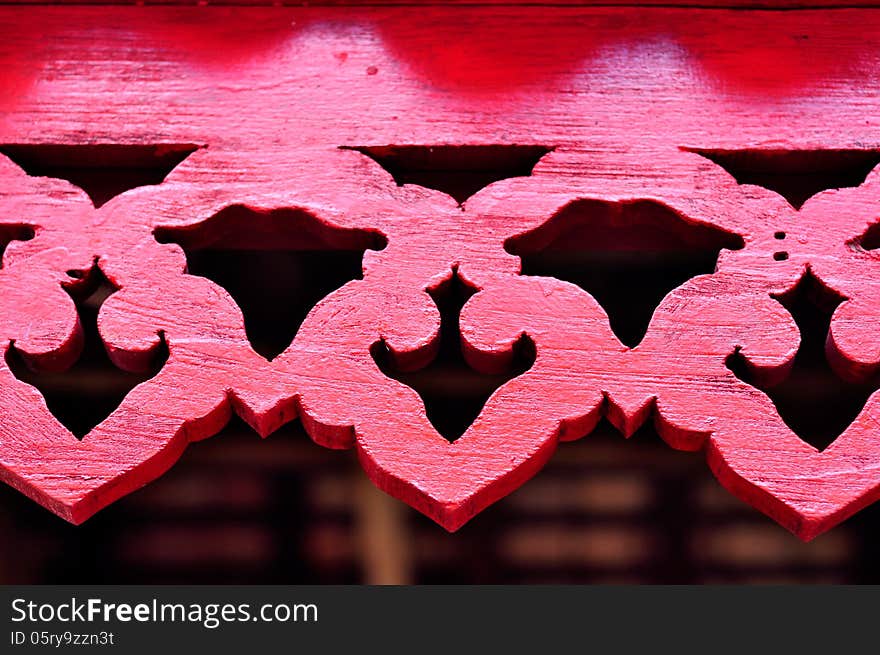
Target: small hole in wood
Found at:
459, 171
88, 392
628, 256
812, 400
780, 256
454, 394
103, 171
276, 265
796, 175
779, 235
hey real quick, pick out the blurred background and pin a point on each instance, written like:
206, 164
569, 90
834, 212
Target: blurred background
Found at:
237, 509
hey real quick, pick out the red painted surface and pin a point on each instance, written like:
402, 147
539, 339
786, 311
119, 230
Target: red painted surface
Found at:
619, 96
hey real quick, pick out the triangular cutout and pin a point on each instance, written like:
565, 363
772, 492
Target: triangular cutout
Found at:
275, 264
628, 256
103, 171
813, 401
458, 171
453, 393
796, 175
88, 392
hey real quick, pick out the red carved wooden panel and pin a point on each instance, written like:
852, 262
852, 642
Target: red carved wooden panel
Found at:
616, 213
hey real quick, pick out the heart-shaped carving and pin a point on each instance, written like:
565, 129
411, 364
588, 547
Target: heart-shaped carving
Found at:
85, 394
147, 432
134, 444
521, 422
453, 393
748, 445
815, 402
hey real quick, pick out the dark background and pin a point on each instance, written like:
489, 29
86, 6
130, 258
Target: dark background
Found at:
235, 510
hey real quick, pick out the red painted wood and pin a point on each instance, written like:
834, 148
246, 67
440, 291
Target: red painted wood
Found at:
622, 98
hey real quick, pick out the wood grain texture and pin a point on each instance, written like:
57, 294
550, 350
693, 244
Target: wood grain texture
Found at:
275, 99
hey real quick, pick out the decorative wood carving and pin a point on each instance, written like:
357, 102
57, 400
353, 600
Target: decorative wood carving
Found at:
738, 146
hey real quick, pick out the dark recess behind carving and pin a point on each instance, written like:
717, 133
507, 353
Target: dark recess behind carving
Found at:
103, 171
